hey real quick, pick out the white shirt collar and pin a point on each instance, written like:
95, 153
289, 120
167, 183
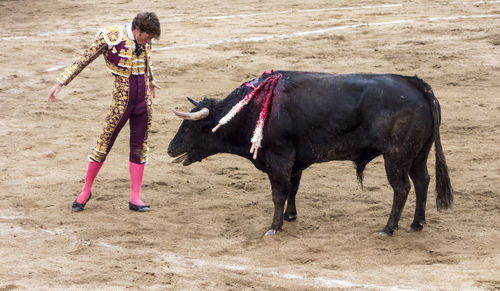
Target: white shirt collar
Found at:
128, 26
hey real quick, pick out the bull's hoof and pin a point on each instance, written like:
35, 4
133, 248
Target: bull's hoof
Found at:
290, 217
416, 226
272, 232
386, 232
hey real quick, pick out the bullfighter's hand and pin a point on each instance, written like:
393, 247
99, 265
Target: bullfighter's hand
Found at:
152, 87
54, 91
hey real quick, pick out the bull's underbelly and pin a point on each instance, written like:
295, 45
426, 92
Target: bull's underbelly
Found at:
322, 148
336, 153
332, 155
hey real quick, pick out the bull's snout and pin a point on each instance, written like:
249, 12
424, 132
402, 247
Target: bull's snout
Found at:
170, 151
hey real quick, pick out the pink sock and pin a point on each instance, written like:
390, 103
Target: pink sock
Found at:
136, 173
92, 171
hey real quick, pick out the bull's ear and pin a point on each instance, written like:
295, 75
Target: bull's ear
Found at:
195, 103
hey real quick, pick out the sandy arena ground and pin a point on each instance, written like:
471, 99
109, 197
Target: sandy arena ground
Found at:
207, 224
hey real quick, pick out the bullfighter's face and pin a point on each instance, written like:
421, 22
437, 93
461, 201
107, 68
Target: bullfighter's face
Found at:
141, 37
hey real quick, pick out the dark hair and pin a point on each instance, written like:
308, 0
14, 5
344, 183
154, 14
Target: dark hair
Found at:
147, 22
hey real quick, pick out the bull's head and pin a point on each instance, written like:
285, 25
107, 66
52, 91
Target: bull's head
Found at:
194, 140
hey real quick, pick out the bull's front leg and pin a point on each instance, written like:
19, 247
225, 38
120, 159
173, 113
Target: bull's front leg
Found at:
280, 189
279, 172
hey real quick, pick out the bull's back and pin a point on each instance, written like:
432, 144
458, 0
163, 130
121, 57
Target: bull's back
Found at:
342, 116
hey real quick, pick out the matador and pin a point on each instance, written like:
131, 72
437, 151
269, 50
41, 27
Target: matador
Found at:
127, 53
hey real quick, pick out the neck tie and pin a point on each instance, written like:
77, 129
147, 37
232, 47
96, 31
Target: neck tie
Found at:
138, 48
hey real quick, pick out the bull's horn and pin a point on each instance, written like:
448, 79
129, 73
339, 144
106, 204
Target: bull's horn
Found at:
200, 114
195, 103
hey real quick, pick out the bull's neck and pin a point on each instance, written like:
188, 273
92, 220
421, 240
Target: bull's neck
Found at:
236, 134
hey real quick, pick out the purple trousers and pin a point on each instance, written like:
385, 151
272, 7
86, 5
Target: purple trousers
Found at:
130, 103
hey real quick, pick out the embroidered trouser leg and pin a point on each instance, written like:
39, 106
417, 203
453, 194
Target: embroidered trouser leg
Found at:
130, 101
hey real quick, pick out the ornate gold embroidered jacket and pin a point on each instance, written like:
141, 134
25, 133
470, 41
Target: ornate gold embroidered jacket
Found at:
117, 48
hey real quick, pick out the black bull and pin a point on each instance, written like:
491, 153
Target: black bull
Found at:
317, 117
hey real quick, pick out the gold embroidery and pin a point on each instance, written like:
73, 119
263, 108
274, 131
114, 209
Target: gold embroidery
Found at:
115, 114
113, 35
87, 56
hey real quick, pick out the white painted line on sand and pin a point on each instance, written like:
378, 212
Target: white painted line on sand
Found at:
65, 31
463, 17
352, 8
11, 217
190, 263
475, 3
271, 272
310, 32
278, 36
43, 34
318, 31
301, 11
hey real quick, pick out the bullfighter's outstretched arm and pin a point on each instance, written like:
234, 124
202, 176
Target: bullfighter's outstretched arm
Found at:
70, 72
86, 57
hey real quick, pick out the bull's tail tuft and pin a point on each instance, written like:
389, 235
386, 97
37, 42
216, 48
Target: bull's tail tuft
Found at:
359, 174
444, 198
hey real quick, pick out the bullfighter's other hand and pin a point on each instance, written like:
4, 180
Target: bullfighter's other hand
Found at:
152, 87
54, 91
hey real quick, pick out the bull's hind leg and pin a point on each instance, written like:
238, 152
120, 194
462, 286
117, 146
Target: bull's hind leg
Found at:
420, 178
291, 211
397, 174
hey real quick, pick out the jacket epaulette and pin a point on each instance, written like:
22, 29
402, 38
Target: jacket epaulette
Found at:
113, 34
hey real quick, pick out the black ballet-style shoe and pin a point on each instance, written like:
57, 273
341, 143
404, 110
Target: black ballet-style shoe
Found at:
79, 207
138, 208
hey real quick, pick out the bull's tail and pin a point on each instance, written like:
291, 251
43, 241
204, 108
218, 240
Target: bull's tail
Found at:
444, 198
